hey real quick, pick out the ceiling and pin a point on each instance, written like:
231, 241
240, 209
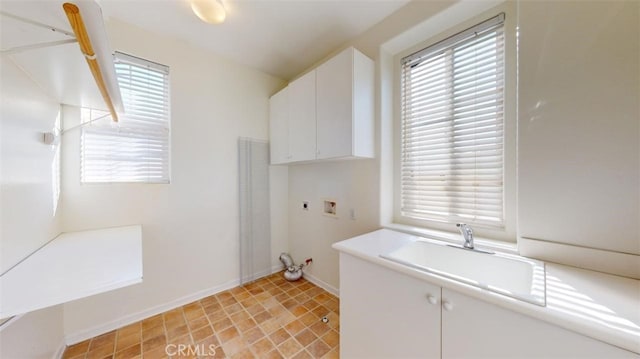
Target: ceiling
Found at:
60, 70
279, 37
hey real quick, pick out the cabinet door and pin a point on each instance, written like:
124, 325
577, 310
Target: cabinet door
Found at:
335, 106
302, 118
385, 314
278, 127
475, 329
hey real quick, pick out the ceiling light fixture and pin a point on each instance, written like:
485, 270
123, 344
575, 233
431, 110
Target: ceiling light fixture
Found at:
210, 11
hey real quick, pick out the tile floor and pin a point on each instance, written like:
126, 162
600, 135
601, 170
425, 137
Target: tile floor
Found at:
269, 318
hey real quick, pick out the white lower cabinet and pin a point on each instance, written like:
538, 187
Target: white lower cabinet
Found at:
387, 314
472, 328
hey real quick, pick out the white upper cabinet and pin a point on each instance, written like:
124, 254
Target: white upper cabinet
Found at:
327, 113
278, 126
345, 101
302, 118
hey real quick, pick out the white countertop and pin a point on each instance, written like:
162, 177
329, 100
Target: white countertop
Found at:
597, 305
73, 266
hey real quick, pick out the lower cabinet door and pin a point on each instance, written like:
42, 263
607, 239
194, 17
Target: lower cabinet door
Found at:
475, 329
386, 314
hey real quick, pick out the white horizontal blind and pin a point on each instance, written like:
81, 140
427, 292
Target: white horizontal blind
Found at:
137, 148
452, 98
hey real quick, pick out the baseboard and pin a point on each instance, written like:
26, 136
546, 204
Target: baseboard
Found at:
264, 273
73, 338
60, 352
322, 284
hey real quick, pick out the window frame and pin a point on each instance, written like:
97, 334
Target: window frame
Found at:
107, 123
508, 232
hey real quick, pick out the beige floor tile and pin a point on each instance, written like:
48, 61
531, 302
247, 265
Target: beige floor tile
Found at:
123, 342
318, 349
153, 343
295, 327
152, 322
306, 337
334, 354
270, 326
253, 335
244, 354
331, 338
289, 348
202, 333
129, 353
135, 328
246, 324
234, 346
177, 332
303, 355
279, 336
269, 318
76, 349
262, 347
102, 340
152, 332
228, 334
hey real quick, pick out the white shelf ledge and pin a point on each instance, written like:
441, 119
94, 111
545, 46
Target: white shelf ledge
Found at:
74, 265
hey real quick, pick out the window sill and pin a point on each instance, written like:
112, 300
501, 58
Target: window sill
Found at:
483, 243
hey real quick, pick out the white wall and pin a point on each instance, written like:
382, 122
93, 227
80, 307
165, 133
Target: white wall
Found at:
311, 233
579, 161
27, 219
26, 206
190, 227
354, 184
35, 335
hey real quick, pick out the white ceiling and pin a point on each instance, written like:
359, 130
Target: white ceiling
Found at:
60, 71
278, 37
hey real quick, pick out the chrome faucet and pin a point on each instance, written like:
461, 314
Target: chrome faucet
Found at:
467, 233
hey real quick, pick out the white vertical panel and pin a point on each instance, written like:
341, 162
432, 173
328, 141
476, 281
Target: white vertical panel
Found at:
579, 124
255, 230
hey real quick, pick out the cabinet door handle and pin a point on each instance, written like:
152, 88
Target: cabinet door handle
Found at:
448, 306
432, 299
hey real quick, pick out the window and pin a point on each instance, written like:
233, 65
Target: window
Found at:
452, 129
136, 149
